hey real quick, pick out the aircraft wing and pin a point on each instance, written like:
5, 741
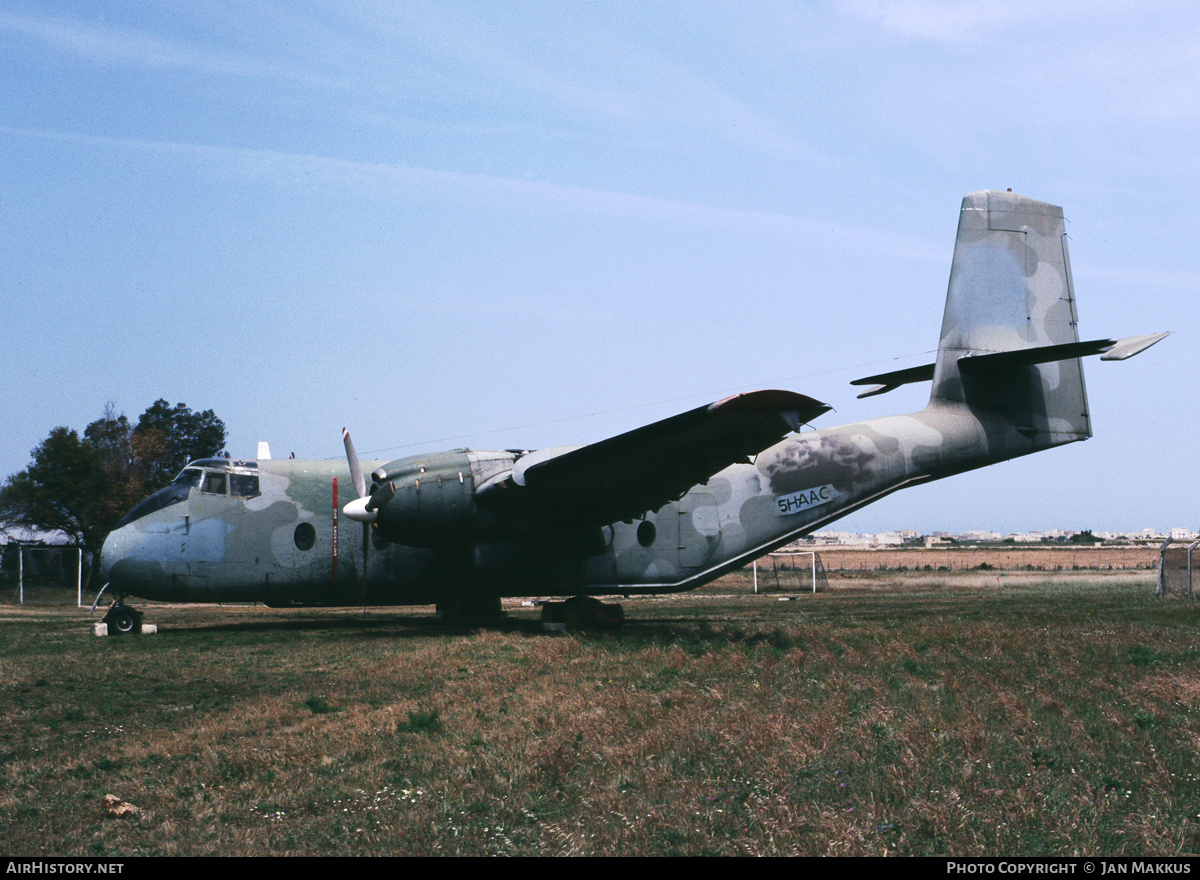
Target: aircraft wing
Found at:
623, 477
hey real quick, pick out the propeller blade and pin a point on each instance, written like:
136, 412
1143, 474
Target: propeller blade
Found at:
357, 509
381, 496
356, 474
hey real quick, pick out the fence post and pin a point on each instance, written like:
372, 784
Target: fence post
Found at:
1162, 583
1191, 547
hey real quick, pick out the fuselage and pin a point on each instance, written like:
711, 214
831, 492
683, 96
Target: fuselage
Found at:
272, 531
465, 527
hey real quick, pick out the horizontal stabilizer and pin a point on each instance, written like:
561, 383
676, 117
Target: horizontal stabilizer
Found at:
1111, 349
1108, 349
886, 382
1131, 345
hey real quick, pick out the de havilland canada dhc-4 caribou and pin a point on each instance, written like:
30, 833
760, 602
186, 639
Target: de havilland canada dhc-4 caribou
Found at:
663, 508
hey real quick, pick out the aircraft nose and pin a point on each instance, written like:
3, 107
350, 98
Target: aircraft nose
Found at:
124, 563
111, 553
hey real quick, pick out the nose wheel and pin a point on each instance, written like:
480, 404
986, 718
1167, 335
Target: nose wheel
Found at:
122, 619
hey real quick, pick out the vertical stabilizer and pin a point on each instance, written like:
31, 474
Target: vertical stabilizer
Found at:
1010, 289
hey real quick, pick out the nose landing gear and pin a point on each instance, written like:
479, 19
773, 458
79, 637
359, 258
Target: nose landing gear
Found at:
123, 620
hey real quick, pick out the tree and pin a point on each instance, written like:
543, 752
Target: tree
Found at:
168, 437
124, 481
60, 490
82, 486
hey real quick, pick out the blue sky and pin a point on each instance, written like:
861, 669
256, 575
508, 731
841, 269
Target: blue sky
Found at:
531, 224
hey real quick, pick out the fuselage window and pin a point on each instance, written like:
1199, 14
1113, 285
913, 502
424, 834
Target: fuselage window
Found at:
305, 536
243, 485
214, 484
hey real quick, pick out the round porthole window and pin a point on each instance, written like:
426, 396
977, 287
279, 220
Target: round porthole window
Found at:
306, 536
646, 533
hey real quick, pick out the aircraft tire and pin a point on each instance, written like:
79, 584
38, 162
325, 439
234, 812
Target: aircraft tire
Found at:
123, 621
571, 616
583, 611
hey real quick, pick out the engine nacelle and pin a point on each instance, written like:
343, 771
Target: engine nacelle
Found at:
431, 503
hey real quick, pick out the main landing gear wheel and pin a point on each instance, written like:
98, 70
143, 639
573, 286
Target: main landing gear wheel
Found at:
123, 620
583, 611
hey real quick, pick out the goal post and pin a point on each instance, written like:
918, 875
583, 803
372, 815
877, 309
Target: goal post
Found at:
794, 569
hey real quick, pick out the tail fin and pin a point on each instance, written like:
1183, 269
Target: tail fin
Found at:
1010, 345
1011, 291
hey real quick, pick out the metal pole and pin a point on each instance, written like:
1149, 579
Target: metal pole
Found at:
79, 575
1190, 549
1162, 582
20, 574
756, 577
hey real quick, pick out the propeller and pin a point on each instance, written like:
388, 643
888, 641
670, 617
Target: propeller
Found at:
364, 508
357, 509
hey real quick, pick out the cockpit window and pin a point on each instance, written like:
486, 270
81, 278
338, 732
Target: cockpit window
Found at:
243, 485
213, 476
164, 497
214, 484
189, 477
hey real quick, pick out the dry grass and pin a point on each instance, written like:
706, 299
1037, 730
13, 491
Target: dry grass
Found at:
921, 715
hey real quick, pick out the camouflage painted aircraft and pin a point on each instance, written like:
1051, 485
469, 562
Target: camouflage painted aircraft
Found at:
666, 507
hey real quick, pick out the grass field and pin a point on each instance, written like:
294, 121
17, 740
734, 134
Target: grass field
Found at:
916, 714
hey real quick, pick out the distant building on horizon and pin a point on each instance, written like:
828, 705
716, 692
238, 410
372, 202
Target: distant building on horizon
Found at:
830, 538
